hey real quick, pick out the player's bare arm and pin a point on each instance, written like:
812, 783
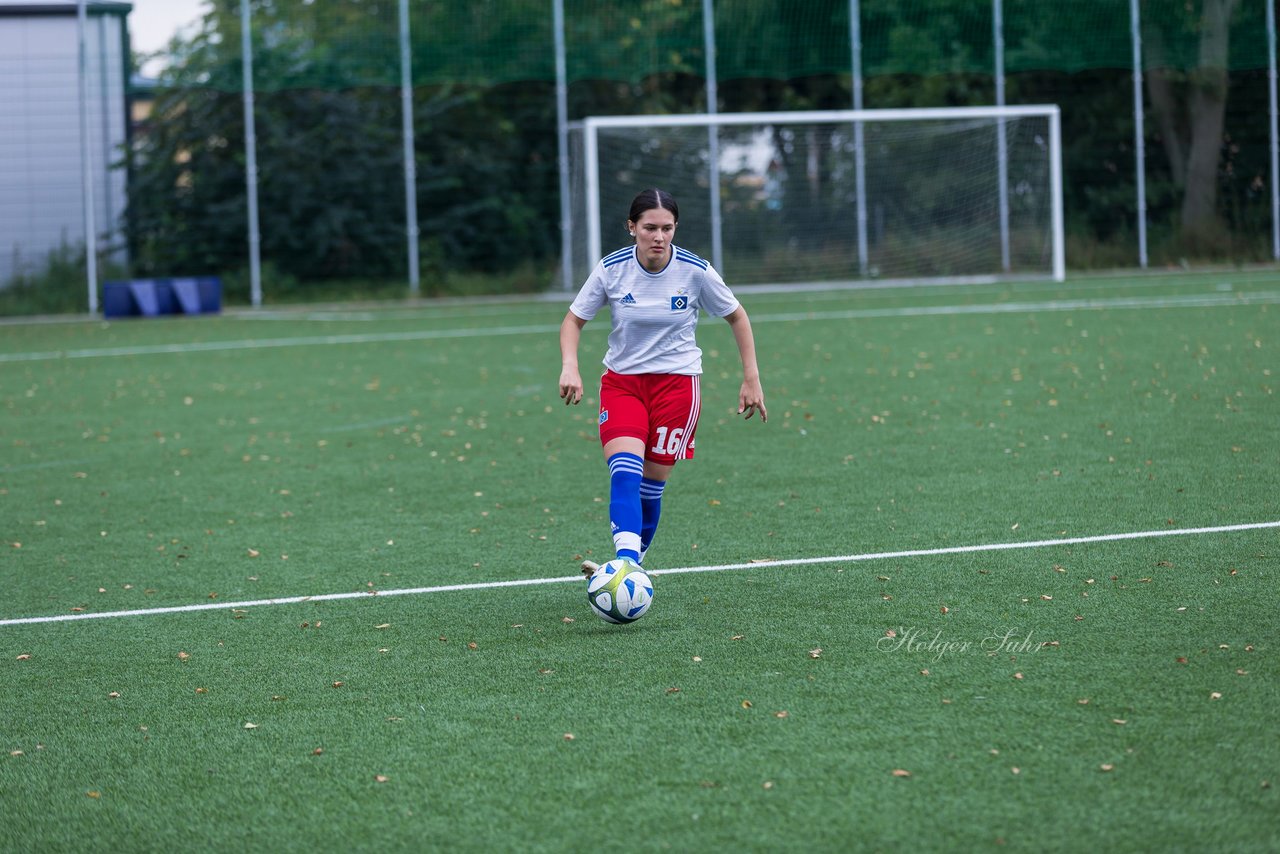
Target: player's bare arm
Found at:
751, 395
570, 378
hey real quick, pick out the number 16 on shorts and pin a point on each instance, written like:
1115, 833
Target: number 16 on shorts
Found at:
668, 441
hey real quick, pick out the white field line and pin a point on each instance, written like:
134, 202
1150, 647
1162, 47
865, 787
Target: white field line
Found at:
764, 564
1101, 304
270, 343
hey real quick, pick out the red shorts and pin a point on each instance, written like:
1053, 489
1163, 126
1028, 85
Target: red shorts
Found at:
661, 410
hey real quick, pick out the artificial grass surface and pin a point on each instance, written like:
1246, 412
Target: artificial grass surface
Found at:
143, 479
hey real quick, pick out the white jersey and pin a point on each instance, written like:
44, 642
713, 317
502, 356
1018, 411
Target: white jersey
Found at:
654, 314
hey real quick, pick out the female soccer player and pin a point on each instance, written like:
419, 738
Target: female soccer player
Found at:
650, 392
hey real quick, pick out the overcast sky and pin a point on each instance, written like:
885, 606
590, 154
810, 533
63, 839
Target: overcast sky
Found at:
153, 22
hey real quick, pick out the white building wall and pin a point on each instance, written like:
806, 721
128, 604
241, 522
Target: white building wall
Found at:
41, 188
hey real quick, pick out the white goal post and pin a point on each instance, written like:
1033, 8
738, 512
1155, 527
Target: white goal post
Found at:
920, 199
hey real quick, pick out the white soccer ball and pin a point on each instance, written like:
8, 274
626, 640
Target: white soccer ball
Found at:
620, 591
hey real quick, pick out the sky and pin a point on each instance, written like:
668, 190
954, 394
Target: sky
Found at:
153, 22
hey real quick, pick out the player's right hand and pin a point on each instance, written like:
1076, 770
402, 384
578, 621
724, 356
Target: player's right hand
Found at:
570, 386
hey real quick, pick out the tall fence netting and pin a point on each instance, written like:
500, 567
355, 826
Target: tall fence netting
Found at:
326, 78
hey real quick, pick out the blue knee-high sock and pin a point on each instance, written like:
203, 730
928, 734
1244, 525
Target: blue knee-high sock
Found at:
650, 510
625, 473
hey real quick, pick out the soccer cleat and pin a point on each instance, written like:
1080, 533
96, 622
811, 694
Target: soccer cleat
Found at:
589, 568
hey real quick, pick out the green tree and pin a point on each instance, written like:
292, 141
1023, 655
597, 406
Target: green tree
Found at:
330, 160
1190, 105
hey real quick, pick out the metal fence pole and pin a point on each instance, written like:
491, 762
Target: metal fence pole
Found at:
86, 169
1275, 142
1055, 193
1135, 24
562, 143
713, 136
410, 160
251, 158
859, 142
1002, 141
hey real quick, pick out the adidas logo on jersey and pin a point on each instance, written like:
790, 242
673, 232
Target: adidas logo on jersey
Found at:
628, 300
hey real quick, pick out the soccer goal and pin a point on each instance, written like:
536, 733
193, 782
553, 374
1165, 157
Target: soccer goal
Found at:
948, 194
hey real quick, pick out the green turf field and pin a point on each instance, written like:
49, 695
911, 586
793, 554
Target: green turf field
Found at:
984, 581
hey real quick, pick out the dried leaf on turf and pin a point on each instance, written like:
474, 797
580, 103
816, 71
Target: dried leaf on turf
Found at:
816, 652
184, 656
381, 778
568, 736
901, 772
26, 656
746, 704
1216, 695
1106, 766
250, 726
94, 795
383, 626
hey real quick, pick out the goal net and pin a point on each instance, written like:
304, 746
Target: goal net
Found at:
956, 194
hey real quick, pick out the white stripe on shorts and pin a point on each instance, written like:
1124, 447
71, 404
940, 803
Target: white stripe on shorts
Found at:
695, 408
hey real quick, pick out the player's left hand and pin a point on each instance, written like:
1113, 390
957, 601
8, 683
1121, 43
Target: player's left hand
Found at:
751, 399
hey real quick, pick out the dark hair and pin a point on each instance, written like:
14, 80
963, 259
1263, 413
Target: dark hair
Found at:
651, 199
